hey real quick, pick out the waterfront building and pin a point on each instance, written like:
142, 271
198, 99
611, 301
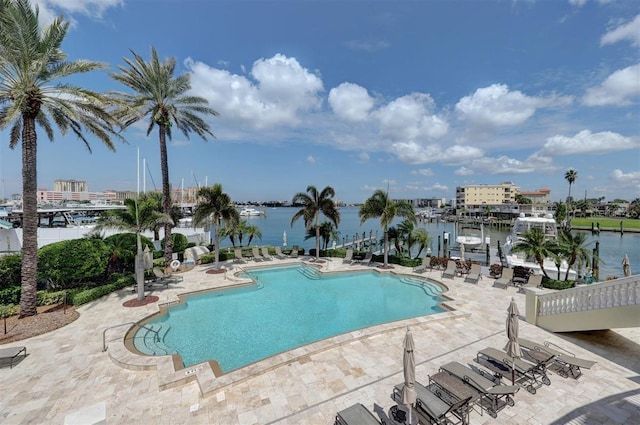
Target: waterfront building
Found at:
478, 196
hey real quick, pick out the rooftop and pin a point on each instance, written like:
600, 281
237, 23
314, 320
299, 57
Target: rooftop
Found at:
67, 378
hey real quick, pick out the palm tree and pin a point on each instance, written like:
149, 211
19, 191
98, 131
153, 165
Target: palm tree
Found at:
162, 98
313, 203
406, 229
138, 216
421, 237
571, 176
35, 89
534, 244
379, 205
573, 248
215, 205
252, 231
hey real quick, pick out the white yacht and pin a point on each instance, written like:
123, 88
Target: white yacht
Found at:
549, 227
248, 211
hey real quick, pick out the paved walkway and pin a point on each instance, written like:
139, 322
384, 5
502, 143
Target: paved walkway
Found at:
68, 379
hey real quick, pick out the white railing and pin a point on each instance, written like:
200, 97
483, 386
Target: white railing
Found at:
613, 293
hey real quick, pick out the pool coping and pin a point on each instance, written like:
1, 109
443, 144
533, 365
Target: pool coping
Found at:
171, 373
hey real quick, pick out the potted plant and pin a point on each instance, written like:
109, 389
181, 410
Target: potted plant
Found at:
495, 270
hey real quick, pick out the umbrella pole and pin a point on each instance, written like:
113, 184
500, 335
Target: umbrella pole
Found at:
513, 372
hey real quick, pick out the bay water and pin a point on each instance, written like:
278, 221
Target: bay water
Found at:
276, 221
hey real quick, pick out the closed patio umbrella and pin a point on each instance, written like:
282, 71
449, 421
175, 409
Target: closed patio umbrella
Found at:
513, 347
409, 366
147, 257
462, 252
284, 238
626, 267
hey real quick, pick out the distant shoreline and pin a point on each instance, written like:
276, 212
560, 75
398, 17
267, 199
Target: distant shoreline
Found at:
605, 229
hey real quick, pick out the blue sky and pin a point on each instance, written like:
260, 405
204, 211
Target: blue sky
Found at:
417, 96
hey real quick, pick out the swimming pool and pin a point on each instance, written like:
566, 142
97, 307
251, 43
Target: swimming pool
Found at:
287, 307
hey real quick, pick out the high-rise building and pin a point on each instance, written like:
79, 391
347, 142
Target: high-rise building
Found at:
475, 196
70, 186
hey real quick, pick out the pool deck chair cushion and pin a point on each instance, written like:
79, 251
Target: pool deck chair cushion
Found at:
294, 252
356, 415
348, 258
238, 256
534, 281
490, 391
279, 253
11, 353
504, 280
450, 272
265, 253
256, 254
426, 261
567, 361
474, 274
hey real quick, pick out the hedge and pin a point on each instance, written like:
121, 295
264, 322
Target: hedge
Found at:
84, 296
10, 270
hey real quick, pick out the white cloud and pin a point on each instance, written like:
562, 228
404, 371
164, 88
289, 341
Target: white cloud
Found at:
617, 89
464, 171
497, 106
586, 142
578, 3
410, 118
350, 102
279, 92
311, 159
363, 157
51, 9
631, 179
427, 172
628, 31
414, 153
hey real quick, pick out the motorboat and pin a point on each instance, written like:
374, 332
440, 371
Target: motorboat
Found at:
471, 240
547, 224
248, 211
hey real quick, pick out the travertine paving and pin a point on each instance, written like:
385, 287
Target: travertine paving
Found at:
67, 378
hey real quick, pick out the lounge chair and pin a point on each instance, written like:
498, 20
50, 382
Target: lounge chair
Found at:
445, 385
534, 281
531, 375
238, 256
504, 280
279, 253
356, 415
364, 260
431, 408
348, 258
566, 360
474, 274
11, 353
490, 391
450, 271
426, 261
265, 253
165, 278
256, 254
294, 252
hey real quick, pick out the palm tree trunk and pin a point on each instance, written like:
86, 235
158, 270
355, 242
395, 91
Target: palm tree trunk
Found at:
317, 242
217, 238
386, 248
166, 195
28, 306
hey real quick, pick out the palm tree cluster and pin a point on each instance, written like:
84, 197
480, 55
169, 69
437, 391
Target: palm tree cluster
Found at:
569, 247
313, 204
35, 91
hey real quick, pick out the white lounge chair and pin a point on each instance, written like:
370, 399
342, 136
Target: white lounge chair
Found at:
348, 258
504, 280
423, 266
279, 253
265, 253
450, 272
474, 274
256, 254
534, 281
238, 256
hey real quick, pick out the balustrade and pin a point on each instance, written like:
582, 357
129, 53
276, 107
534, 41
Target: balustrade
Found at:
614, 293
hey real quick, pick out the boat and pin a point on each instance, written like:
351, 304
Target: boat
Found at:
471, 240
549, 227
247, 211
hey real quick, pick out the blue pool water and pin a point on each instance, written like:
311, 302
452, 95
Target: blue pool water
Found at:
289, 307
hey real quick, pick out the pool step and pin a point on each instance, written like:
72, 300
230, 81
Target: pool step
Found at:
429, 289
310, 272
151, 340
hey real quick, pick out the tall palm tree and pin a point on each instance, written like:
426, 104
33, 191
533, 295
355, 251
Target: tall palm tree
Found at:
574, 248
406, 229
571, 176
421, 237
163, 98
313, 204
35, 89
379, 205
535, 244
138, 216
214, 205
252, 231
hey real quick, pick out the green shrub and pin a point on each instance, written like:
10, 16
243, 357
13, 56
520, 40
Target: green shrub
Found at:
557, 284
91, 294
123, 248
8, 310
10, 270
180, 242
69, 263
10, 295
50, 298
